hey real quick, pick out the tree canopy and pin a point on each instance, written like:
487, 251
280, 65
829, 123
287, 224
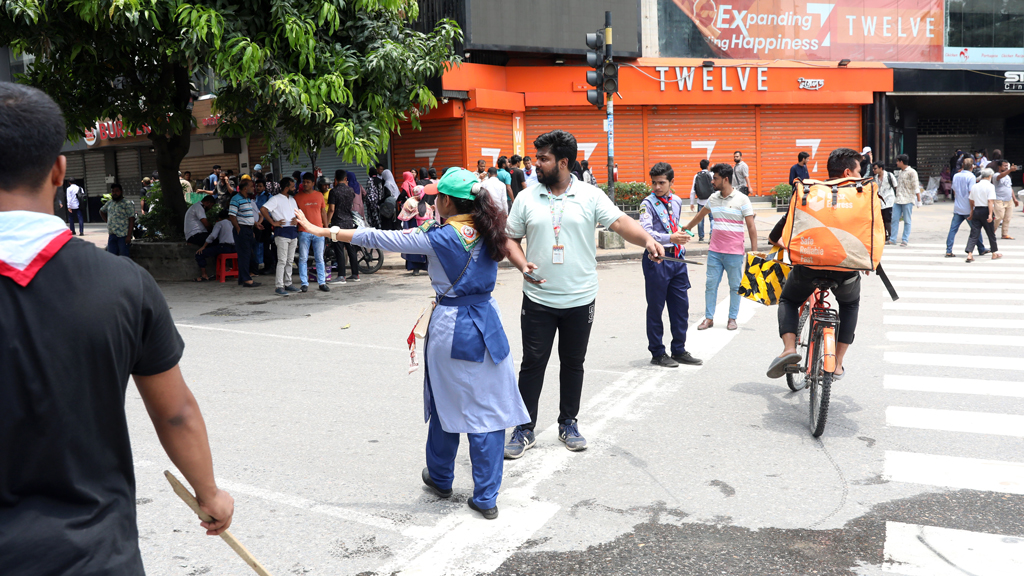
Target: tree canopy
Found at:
303, 72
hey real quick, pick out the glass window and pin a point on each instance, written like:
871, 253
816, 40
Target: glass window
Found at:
985, 23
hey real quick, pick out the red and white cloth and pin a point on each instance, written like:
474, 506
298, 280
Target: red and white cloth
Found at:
28, 240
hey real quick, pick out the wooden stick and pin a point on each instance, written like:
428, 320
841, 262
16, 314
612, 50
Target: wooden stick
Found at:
228, 537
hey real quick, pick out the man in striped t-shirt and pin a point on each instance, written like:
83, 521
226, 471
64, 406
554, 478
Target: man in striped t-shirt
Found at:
732, 212
243, 215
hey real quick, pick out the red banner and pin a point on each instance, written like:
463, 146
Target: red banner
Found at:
878, 30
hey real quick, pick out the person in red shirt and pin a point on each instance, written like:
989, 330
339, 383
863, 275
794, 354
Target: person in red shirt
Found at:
311, 202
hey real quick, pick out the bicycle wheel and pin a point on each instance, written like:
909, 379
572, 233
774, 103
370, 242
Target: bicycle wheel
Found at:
797, 382
370, 260
820, 383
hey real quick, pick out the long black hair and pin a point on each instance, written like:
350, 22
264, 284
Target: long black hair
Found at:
489, 221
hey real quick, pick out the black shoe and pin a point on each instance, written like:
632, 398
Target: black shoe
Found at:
664, 361
686, 358
251, 285
304, 288
490, 513
430, 484
325, 288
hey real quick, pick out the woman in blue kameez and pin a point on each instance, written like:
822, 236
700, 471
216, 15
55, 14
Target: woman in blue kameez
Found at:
469, 384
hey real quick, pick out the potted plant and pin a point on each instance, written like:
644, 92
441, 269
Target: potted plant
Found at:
782, 193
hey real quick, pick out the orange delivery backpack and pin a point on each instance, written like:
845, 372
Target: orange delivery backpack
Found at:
836, 225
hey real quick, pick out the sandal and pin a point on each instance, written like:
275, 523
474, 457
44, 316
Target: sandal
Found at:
970, 259
202, 279
950, 255
996, 256
1008, 238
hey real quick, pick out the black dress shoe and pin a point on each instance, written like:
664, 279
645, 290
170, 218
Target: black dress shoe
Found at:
442, 493
251, 285
686, 358
664, 361
490, 513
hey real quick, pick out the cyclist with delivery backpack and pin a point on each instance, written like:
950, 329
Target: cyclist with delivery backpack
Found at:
833, 231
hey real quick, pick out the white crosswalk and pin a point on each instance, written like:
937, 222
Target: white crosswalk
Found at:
969, 331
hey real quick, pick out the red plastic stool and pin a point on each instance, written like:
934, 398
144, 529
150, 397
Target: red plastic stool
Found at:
223, 260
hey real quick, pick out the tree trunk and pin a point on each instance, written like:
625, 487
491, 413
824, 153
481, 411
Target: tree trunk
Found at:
170, 150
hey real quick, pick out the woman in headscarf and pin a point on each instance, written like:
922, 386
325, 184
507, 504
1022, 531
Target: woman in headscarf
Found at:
416, 212
389, 195
374, 190
357, 204
469, 386
423, 178
408, 188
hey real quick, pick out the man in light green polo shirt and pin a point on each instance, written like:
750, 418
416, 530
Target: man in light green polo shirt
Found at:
558, 216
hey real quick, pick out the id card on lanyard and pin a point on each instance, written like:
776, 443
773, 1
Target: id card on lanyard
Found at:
558, 250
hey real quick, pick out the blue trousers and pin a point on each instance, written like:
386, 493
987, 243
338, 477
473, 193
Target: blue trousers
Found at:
666, 283
904, 211
486, 452
117, 245
954, 227
305, 239
732, 265
73, 214
700, 225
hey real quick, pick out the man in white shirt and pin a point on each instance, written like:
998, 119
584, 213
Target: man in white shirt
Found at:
908, 191
558, 218
886, 192
1004, 196
962, 183
74, 208
197, 227
280, 211
740, 174
220, 241
530, 171
702, 189
496, 189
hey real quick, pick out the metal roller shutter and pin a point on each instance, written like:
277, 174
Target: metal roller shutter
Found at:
95, 174
76, 166
148, 156
934, 151
587, 125
129, 171
683, 136
788, 130
328, 161
439, 145
490, 136
258, 151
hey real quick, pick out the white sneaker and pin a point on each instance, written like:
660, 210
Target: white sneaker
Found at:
339, 280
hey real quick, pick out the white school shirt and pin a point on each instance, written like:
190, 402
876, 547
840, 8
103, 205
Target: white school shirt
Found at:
223, 232
282, 207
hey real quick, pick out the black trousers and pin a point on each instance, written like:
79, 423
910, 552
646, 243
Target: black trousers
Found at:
887, 220
340, 248
539, 324
979, 220
198, 239
799, 287
245, 245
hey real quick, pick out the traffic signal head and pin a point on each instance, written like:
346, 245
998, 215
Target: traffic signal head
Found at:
609, 77
596, 97
595, 40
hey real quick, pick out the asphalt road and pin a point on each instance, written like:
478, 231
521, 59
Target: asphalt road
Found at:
317, 430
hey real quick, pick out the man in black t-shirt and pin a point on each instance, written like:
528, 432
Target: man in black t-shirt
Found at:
339, 213
67, 481
518, 176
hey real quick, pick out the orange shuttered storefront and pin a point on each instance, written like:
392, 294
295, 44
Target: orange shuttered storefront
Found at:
788, 130
490, 136
685, 135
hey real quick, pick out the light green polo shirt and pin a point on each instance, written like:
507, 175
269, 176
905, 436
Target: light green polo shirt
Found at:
573, 283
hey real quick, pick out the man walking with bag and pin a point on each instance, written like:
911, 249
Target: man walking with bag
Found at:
666, 283
702, 189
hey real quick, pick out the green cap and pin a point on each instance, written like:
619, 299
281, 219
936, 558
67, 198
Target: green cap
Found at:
459, 183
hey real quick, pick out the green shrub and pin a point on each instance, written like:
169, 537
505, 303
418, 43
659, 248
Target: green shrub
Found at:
629, 194
782, 192
161, 222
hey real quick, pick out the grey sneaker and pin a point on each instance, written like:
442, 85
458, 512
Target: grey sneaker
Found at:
521, 441
664, 361
339, 280
570, 434
282, 292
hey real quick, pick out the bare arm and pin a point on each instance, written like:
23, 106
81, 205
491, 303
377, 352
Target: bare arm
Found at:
206, 224
330, 213
268, 218
234, 223
182, 432
700, 216
343, 235
632, 232
752, 231
518, 258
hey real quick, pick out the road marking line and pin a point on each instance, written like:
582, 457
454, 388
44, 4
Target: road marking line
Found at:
954, 385
954, 472
957, 322
284, 337
955, 274
935, 245
955, 421
958, 265
959, 297
935, 307
959, 339
958, 259
915, 550
988, 286
955, 360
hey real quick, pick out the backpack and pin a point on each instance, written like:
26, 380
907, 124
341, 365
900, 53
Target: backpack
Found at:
835, 225
387, 208
703, 185
208, 184
82, 196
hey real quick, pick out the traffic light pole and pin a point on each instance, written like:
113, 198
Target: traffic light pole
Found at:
610, 108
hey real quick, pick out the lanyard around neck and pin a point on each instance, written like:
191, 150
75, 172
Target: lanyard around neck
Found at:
556, 223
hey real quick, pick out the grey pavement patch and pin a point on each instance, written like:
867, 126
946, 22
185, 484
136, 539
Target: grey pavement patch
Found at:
360, 547
727, 490
705, 549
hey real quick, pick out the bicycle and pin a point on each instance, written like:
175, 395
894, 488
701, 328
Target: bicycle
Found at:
816, 342
370, 260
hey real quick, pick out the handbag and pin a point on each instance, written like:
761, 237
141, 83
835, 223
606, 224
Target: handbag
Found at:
764, 277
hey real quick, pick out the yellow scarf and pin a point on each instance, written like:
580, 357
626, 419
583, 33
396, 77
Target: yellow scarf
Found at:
466, 228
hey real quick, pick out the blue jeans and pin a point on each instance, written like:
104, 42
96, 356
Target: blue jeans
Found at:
954, 227
732, 265
73, 214
700, 225
117, 245
898, 210
305, 239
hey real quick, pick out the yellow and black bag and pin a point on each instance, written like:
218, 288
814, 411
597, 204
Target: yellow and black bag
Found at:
764, 277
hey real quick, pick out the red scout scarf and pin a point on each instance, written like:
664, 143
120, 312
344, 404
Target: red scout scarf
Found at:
28, 240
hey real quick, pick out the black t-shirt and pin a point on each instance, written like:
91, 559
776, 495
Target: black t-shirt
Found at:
68, 343
341, 197
518, 181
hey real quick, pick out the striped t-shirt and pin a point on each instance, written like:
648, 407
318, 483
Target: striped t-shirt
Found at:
244, 209
728, 227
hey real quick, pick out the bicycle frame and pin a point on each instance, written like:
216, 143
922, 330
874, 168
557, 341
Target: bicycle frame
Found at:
825, 319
